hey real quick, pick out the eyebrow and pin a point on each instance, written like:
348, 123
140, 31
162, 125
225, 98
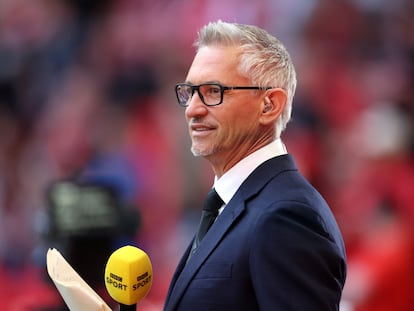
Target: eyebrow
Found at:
206, 82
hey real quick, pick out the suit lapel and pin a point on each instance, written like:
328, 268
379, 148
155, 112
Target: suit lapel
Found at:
185, 272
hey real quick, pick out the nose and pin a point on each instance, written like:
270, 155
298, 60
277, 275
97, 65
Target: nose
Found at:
195, 106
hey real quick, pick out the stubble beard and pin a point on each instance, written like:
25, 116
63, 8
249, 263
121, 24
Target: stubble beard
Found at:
204, 152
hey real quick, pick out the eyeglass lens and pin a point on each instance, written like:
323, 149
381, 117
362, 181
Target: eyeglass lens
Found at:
210, 94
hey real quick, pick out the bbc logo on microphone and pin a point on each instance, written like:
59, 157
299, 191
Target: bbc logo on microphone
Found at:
116, 281
142, 280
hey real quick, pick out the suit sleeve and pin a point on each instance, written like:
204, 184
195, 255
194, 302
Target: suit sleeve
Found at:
295, 263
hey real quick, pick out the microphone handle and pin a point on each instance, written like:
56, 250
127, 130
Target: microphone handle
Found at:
123, 307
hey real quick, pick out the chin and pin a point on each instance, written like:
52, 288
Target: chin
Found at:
197, 152
202, 152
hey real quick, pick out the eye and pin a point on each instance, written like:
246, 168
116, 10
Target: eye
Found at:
211, 90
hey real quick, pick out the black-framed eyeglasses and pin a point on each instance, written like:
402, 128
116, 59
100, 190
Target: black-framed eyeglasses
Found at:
211, 94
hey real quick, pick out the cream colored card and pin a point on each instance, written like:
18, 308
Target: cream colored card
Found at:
76, 293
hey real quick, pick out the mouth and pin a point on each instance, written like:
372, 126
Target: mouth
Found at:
201, 129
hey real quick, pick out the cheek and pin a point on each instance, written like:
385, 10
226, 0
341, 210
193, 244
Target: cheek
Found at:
239, 126
248, 116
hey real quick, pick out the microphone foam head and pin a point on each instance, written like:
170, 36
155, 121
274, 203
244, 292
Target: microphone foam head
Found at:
128, 275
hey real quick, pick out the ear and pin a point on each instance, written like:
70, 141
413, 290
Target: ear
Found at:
272, 104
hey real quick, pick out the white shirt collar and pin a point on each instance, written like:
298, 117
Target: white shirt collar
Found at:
228, 184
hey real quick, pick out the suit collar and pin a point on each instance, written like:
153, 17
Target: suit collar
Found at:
264, 173
230, 182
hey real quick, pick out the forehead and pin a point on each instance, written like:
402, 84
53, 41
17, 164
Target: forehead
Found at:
215, 64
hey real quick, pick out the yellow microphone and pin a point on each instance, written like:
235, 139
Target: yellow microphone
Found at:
128, 276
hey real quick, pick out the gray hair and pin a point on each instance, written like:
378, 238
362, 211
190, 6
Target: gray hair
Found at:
264, 59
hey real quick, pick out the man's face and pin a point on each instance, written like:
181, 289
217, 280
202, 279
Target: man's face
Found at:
226, 133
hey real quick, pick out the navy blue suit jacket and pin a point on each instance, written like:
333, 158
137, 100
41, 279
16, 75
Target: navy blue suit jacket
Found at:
276, 246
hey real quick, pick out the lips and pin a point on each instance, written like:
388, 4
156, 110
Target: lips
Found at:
200, 129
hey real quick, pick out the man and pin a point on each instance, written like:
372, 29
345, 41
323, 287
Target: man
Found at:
275, 244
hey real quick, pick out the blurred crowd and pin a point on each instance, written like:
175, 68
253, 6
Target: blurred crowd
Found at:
86, 95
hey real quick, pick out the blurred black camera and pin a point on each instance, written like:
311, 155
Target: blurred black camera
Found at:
87, 221
83, 210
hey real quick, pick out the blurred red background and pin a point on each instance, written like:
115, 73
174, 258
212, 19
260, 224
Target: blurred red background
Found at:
86, 93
